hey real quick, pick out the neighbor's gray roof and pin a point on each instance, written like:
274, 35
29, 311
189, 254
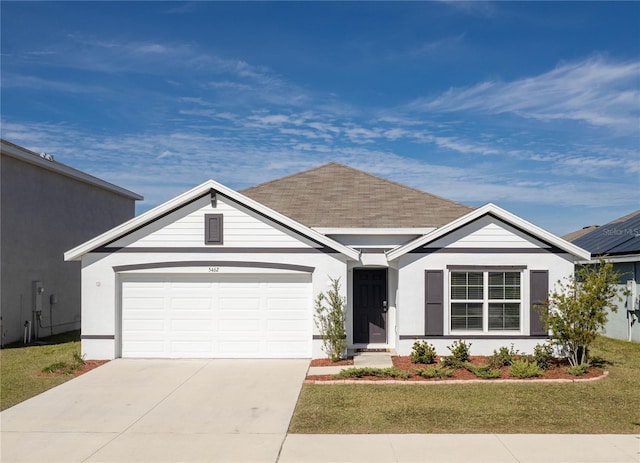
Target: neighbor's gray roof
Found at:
337, 196
621, 236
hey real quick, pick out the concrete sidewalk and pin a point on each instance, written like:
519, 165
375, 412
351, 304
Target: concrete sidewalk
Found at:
460, 448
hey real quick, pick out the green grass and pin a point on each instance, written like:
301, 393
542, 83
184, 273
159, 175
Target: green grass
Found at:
604, 406
21, 367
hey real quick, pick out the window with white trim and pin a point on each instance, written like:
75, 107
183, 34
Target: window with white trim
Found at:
485, 300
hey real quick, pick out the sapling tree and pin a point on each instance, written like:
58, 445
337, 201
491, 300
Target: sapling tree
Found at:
576, 309
330, 318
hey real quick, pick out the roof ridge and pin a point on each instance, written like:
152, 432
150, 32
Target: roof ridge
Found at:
377, 177
288, 176
407, 187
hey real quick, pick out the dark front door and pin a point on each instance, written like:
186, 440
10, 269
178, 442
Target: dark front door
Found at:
369, 305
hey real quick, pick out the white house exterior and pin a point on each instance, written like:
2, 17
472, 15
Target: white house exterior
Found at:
215, 273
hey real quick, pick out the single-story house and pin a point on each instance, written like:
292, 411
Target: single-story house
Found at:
215, 272
619, 243
46, 208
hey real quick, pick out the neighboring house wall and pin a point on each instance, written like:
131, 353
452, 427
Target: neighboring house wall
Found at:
44, 213
486, 245
619, 323
617, 242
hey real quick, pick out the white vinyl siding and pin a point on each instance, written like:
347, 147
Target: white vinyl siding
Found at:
209, 316
486, 301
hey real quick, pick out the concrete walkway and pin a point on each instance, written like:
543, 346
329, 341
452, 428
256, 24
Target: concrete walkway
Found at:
456, 448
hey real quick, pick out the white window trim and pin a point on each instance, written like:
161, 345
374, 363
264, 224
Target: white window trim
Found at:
523, 301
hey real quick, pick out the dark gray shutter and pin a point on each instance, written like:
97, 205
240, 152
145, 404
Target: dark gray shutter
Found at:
213, 228
539, 291
433, 302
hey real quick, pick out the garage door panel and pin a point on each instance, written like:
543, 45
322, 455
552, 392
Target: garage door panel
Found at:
239, 325
239, 348
238, 303
299, 347
204, 316
145, 325
190, 326
192, 348
286, 326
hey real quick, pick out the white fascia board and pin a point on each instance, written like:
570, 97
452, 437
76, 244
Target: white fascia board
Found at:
373, 231
31, 157
501, 214
141, 220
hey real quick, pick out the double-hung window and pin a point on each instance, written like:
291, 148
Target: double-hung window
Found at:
485, 300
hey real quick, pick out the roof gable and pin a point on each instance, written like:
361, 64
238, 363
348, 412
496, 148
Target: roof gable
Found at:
620, 236
337, 196
502, 215
189, 197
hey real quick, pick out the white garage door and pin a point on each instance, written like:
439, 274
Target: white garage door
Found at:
208, 316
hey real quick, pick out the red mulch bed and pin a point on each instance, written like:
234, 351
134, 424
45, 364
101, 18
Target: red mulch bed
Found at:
557, 371
87, 366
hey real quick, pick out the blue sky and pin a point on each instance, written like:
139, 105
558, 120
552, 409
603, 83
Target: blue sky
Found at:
532, 106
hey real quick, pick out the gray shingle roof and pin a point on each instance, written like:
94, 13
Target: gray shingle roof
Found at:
621, 236
337, 196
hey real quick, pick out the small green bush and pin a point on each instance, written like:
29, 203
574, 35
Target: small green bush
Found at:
391, 372
451, 362
54, 367
524, 369
423, 352
483, 371
578, 370
438, 371
543, 355
460, 350
502, 357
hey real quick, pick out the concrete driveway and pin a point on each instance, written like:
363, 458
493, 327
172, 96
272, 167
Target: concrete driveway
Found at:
159, 410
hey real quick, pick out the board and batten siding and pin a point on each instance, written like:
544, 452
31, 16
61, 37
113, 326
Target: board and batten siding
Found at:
487, 232
185, 228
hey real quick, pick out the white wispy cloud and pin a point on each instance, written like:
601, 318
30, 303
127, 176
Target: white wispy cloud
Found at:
597, 91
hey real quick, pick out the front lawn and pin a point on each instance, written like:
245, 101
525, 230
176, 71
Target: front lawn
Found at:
604, 406
21, 367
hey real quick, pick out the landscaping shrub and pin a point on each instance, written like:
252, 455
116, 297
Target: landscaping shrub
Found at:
54, 367
483, 371
524, 369
64, 367
577, 308
451, 362
578, 370
543, 355
460, 350
438, 371
423, 352
502, 357
391, 372
331, 321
